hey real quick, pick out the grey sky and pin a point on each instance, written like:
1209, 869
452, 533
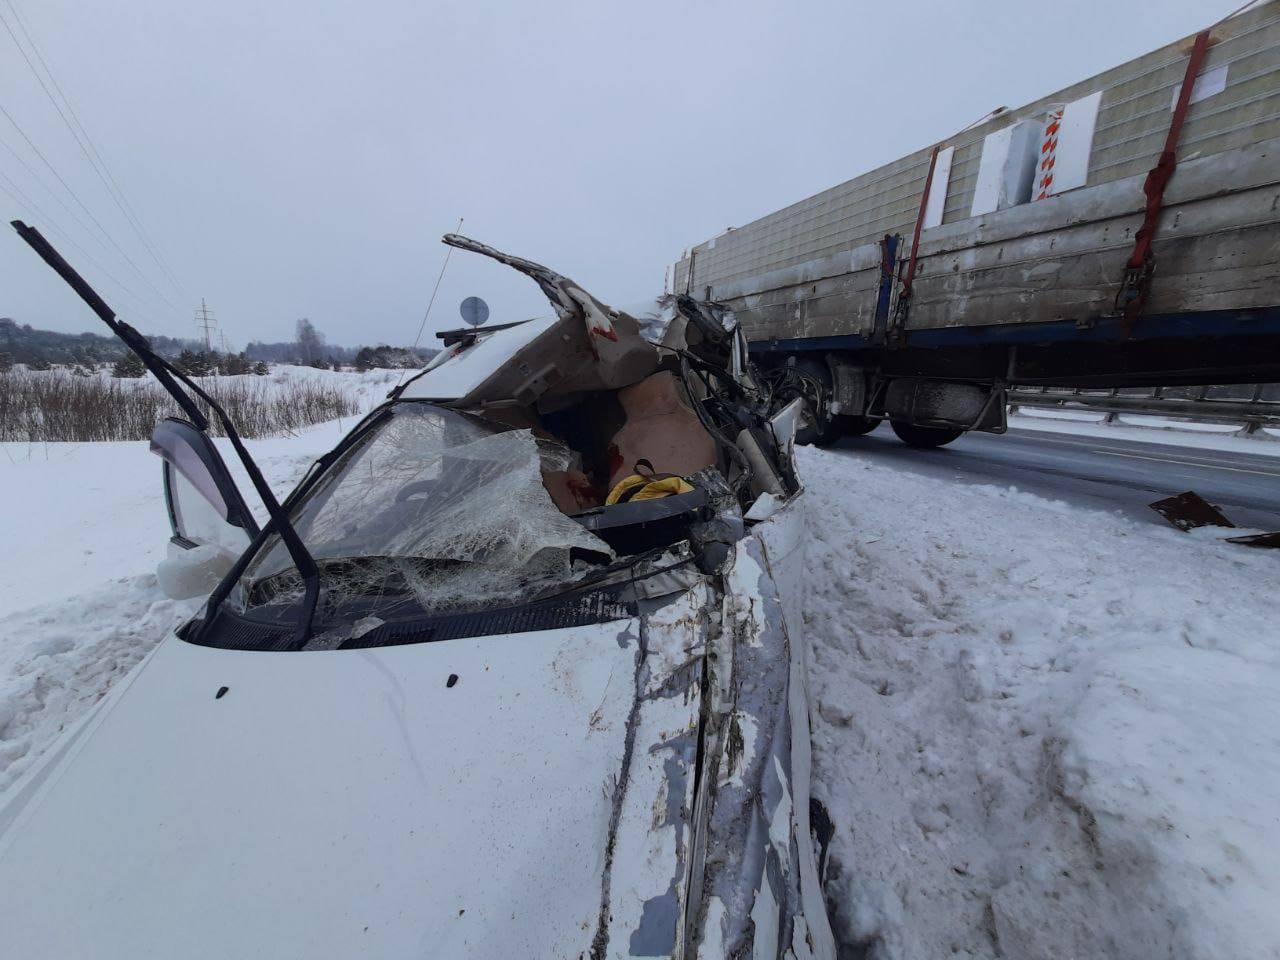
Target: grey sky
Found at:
298, 159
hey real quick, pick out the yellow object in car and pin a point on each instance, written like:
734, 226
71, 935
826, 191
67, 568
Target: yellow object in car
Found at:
638, 487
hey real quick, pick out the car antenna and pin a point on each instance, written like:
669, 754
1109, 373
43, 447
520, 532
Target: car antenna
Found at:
423, 325
169, 377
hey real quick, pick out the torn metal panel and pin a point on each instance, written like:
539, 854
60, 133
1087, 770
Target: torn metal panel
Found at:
760, 889
1257, 540
590, 345
783, 540
712, 862
1189, 510
647, 880
752, 861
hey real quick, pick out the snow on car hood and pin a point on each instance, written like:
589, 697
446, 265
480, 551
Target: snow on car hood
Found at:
339, 804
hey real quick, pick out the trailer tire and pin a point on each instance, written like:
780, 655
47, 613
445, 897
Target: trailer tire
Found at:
924, 438
856, 426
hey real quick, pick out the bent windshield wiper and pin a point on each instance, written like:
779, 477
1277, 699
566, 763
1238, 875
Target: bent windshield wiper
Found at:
169, 377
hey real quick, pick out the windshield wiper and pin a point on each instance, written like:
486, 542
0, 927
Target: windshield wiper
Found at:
169, 377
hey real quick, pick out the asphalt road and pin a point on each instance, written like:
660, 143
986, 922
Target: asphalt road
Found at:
1102, 473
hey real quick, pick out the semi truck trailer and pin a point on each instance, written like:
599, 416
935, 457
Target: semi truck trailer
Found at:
1122, 232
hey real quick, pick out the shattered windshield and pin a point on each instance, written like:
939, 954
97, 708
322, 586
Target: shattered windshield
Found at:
432, 511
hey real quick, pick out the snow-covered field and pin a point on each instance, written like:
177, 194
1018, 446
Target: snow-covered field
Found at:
1041, 731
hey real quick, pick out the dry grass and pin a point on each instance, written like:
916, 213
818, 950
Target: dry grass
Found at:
59, 405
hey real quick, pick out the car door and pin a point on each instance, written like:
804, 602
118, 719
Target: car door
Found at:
211, 525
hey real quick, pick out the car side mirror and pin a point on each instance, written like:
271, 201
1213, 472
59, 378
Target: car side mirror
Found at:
205, 507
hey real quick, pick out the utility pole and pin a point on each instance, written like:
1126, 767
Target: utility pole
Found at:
205, 322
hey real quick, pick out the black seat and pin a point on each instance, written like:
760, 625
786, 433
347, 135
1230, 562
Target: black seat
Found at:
643, 524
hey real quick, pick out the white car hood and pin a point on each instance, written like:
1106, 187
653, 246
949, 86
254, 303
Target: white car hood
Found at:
333, 804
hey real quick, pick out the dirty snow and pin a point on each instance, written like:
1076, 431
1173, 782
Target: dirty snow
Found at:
1041, 731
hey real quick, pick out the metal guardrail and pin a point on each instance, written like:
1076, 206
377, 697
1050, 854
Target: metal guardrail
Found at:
1254, 406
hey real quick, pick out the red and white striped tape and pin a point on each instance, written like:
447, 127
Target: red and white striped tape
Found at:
1048, 152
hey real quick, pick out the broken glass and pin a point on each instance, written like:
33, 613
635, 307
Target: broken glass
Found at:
434, 511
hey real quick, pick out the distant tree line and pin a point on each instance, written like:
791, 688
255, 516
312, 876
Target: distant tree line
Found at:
41, 349
394, 358
196, 363
22, 343
288, 352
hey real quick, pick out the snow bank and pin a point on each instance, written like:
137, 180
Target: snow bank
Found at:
1041, 731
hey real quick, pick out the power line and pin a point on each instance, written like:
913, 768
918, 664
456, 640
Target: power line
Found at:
36, 177
20, 197
83, 140
45, 160
52, 192
45, 217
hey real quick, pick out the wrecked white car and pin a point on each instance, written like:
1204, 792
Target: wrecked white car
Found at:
516, 671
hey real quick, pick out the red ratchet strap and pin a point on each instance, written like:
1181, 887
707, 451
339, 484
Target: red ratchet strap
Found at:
904, 297
1137, 279
915, 239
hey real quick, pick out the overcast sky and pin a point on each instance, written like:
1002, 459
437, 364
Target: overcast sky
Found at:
301, 159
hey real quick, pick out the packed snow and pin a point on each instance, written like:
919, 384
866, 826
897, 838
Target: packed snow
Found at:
1041, 731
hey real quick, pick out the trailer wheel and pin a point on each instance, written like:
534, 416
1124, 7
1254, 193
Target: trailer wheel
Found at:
923, 437
811, 381
857, 426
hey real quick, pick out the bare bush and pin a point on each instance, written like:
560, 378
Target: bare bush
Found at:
56, 405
